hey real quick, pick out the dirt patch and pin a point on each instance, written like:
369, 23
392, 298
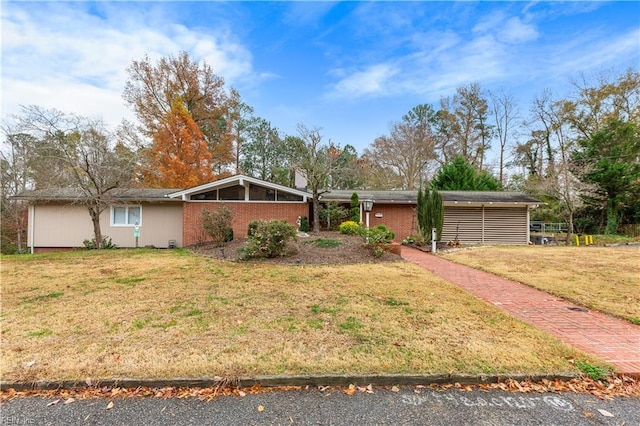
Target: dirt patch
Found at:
309, 250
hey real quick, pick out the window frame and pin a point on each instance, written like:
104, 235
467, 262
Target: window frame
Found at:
126, 207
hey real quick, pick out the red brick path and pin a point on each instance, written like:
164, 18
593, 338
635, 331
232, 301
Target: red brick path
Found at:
611, 339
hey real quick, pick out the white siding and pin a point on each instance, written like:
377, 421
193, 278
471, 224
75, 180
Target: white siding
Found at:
60, 225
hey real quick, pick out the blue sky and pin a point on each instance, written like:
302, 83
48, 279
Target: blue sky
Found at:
349, 68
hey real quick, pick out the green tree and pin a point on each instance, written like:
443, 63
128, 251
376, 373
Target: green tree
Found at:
459, 175
265, 153
609, 159
430, 212
355, 208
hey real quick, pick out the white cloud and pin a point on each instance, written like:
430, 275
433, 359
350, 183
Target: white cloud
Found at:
373, 81
62, 56
515, 31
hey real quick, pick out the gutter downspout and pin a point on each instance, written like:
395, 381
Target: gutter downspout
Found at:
32, 230
482, 224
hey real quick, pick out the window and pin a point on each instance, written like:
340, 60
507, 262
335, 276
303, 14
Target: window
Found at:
285, 196
231, 193
126, 215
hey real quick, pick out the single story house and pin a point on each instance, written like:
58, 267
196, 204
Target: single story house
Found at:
173, 217
473, 217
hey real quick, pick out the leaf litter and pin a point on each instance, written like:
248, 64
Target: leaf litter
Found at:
617, 386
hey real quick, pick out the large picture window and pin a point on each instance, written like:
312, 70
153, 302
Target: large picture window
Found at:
126, 215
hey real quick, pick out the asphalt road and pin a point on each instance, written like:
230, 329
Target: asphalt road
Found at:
313, 407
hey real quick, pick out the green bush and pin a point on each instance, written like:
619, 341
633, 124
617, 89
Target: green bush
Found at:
106, 243
268, 239
217, 225
332, 214
355, 208
304, 224
252, 228
379, 235
350, 228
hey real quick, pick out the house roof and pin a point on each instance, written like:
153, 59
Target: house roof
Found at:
241, 180
120, 194
448, 197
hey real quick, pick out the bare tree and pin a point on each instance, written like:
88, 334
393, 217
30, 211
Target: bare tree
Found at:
317, 161
16, 161
464, 126
80, 154
505, 115
408, 150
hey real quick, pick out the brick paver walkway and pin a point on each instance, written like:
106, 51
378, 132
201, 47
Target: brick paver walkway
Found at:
612, 339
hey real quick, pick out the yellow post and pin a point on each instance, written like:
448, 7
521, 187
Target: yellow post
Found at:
591, 239
577, 240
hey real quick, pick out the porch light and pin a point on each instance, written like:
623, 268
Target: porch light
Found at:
367, 205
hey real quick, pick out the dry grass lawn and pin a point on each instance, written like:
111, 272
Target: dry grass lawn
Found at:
152, 314
606, 279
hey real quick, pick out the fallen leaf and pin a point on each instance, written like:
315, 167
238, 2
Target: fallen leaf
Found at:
350, 390
56, 402
69, 400
395, 389
260, 408
29, 364
605, 413
588, 414
110, 405
88, 381
241, 394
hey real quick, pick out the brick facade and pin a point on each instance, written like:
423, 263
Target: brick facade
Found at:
400, 218
242, 214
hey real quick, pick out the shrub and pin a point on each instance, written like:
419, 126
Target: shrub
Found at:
217, 225
355, 208
252, 228
304, 224
268, 239
379, 235
106, 243
350, 228
332, 214
377, 251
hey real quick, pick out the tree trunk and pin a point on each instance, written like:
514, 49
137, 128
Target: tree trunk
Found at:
316, 213
97, 232
612, 218
570, 228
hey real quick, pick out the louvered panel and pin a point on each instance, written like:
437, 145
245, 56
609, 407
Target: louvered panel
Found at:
467, 221
505, 225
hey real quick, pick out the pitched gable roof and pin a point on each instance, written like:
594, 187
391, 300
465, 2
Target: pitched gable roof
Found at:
241, 180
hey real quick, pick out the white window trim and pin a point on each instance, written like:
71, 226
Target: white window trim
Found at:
126, 206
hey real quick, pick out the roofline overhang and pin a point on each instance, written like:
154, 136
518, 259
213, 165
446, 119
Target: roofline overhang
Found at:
242, 180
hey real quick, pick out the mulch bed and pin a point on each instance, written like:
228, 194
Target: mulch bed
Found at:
306, 252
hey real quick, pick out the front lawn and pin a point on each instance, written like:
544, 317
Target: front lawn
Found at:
601, 278
155, 314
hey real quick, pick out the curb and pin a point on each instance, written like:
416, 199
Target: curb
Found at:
282, 381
